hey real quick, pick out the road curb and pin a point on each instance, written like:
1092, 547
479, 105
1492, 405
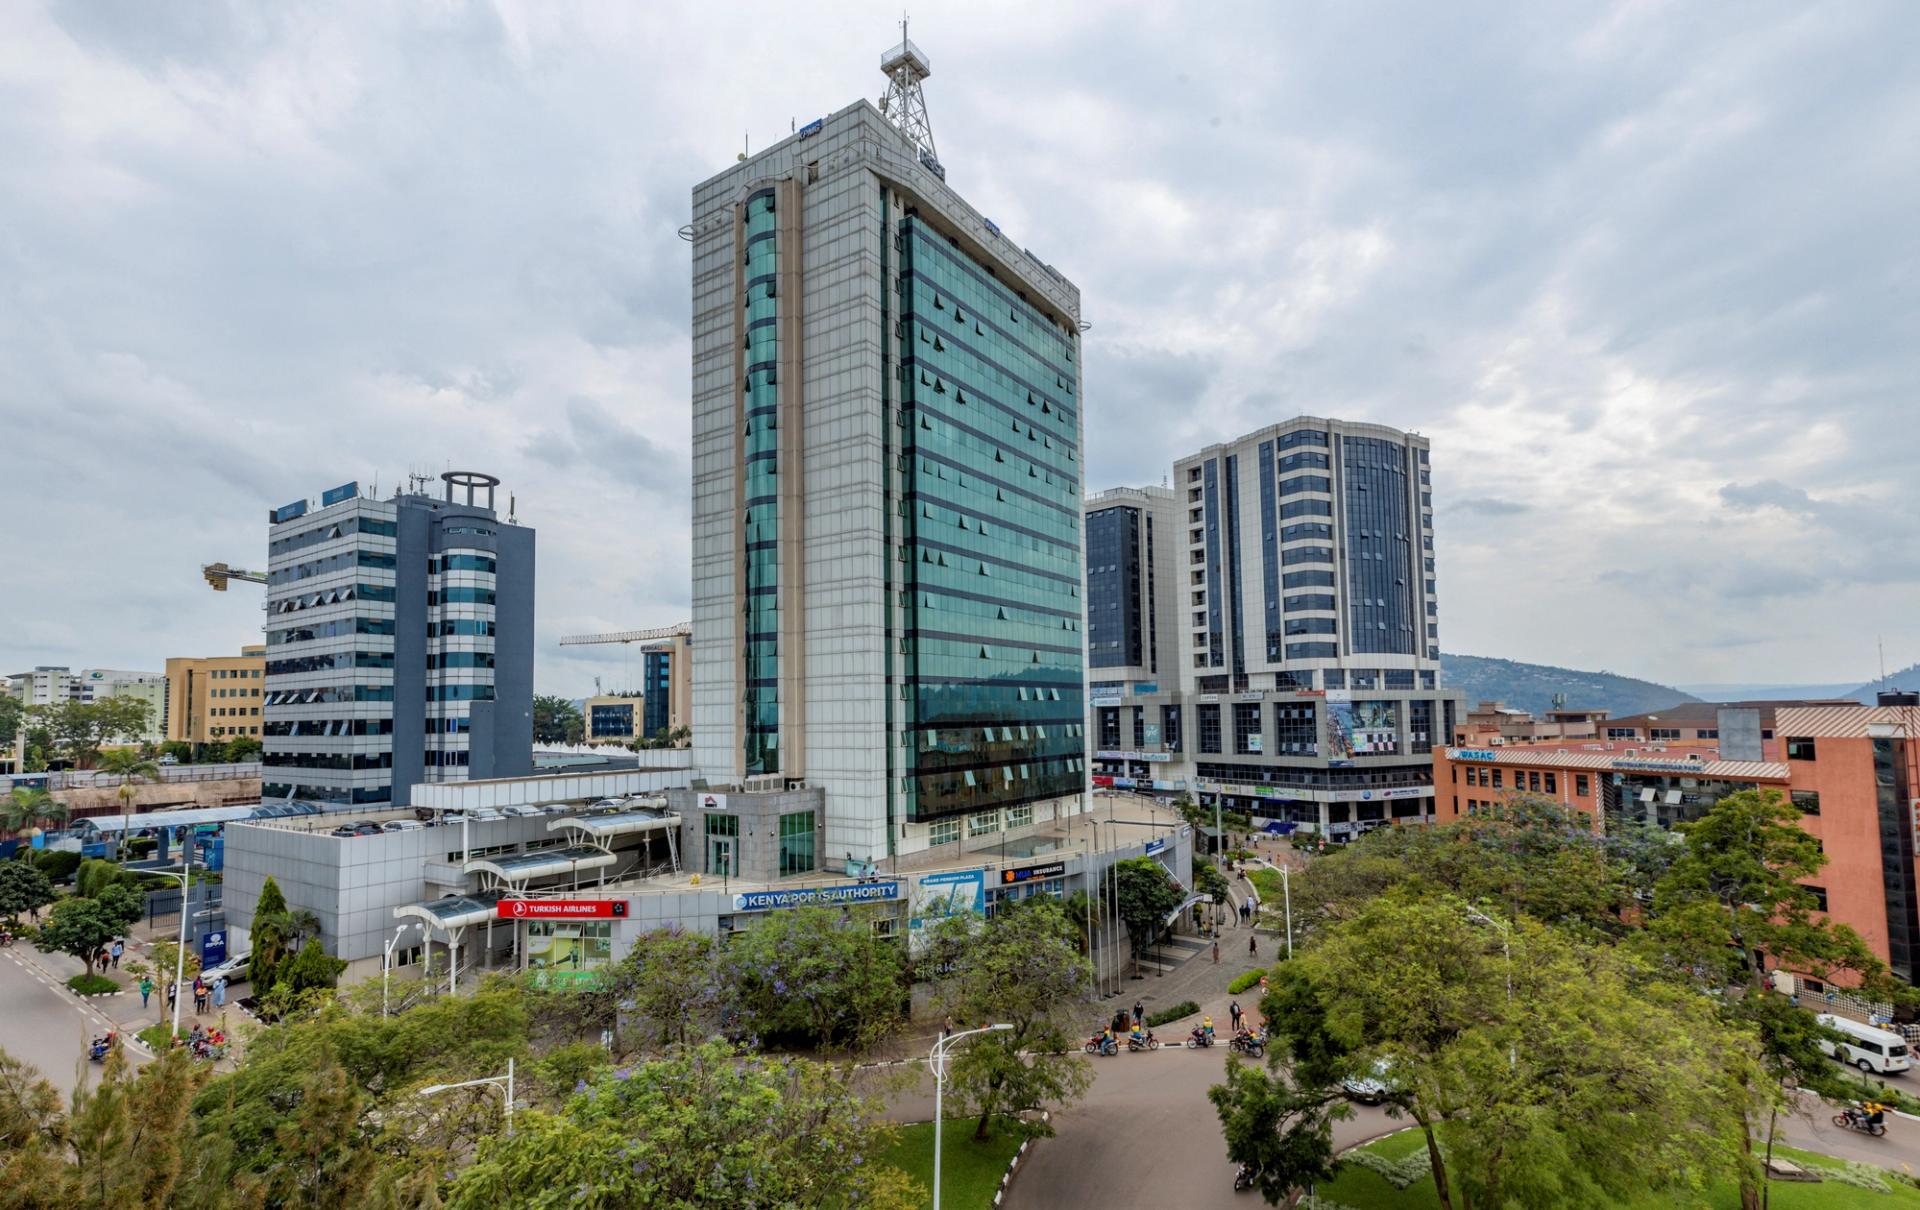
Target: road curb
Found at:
1013, 1165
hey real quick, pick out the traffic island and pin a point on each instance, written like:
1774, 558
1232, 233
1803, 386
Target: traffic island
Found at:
972, 1174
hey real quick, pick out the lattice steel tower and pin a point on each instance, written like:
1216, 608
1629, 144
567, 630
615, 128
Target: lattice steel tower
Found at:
905, 67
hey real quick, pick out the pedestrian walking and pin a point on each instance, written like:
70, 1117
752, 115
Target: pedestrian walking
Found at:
146, 989
1139, 1014
1216, 951
1233, 1010
173, 993
118, 949
220, 992
1253, 944
948, 1032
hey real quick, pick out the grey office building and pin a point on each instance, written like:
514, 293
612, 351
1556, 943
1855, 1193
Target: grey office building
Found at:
399, 644
1306, 625
886, 494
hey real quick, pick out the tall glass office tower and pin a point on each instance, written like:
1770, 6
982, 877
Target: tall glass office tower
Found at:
887, 549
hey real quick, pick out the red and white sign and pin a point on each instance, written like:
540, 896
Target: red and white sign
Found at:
560, 909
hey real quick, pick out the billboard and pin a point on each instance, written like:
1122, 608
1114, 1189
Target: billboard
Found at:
1363, 728
560, 909
938, 897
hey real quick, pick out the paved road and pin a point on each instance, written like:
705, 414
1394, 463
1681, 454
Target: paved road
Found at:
1145, 1135
1813, 1130
42, 1023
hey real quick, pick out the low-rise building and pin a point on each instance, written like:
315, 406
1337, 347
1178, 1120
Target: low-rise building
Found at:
1491, 724
216, 698
615, 718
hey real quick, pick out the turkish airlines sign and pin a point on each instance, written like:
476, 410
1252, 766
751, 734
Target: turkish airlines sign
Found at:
560, 909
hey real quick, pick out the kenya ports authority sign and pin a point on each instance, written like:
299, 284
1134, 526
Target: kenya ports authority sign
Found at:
854, 892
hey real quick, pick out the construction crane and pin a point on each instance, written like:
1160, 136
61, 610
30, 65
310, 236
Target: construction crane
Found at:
218, 574
629, 636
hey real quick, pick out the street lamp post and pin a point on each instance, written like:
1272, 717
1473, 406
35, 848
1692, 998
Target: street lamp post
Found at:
504, 1083
180, 958
938, 1058
1286, 893
386, 962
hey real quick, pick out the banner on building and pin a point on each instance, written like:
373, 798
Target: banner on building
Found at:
826, 896
938, 897
1363, 728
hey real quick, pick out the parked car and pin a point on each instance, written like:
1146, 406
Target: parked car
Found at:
233, 970
521, 812
485, 816
1374, 1087
1871, 1050
402, 825
168, 759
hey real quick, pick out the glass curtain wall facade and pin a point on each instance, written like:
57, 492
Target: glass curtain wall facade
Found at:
1114, 625
760, 607
656, 677
991, 495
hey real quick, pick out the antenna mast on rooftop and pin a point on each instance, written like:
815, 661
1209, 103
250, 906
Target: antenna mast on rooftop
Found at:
904, 105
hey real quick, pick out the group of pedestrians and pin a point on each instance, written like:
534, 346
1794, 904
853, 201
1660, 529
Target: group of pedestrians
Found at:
206, 995
107, 957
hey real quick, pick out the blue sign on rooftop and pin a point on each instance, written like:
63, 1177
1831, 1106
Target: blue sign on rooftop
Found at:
334, 495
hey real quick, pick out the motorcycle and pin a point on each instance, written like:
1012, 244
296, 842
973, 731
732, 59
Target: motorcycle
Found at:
1199, 1038
1247, 1044
1100, 1044
1853, 1119
1245, 1178
6, 938
97, 1049
1147, 1043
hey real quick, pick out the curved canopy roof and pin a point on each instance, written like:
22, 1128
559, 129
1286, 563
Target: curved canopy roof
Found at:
618, 823
542, 864
452, 912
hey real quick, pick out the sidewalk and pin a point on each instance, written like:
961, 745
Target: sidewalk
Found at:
121, 1011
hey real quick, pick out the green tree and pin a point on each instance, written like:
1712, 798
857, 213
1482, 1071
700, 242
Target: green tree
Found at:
125, 1134
241, 748
80, 729
1209, 881
1278, 1125
1731, 900
130, 767
57, 864
312, 969
557, 721
720, 1130
28, 808
179, 749
13, 712
816, 975
271, 935
1024, 968
1535, 1096
80, 926
323, 1161
23, 889
672, 984
1145, 894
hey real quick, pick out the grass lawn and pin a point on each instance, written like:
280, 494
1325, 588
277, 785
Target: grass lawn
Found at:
1364, 1189
1267, 882
970, 1172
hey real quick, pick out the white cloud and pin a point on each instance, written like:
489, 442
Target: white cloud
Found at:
1643, 276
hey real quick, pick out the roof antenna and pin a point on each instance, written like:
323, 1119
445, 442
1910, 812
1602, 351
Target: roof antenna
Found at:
904, 105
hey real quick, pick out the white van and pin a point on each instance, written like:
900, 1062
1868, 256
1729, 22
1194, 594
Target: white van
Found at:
1869, 1049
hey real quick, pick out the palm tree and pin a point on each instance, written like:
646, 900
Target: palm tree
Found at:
129, 766
26, 807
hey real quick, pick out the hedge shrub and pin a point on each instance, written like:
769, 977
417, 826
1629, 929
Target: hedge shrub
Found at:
91, 985
1243, 982
1174, 1012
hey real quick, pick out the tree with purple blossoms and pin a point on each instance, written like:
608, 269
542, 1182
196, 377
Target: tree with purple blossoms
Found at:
816, 976
702, 1128
1024, 969
670, 987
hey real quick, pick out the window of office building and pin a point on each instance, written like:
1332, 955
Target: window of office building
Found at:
1420, 726
1379, 549
1209, 728
1170, 727
1296, 730
1246, 727
1139, 727
568, 949
1109, 727
988, 388
796, 843
1800, 747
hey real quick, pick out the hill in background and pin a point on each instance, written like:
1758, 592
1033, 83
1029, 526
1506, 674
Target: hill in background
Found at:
1531, 687
1907, 678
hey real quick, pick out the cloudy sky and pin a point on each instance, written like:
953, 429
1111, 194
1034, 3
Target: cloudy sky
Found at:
1645, 273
